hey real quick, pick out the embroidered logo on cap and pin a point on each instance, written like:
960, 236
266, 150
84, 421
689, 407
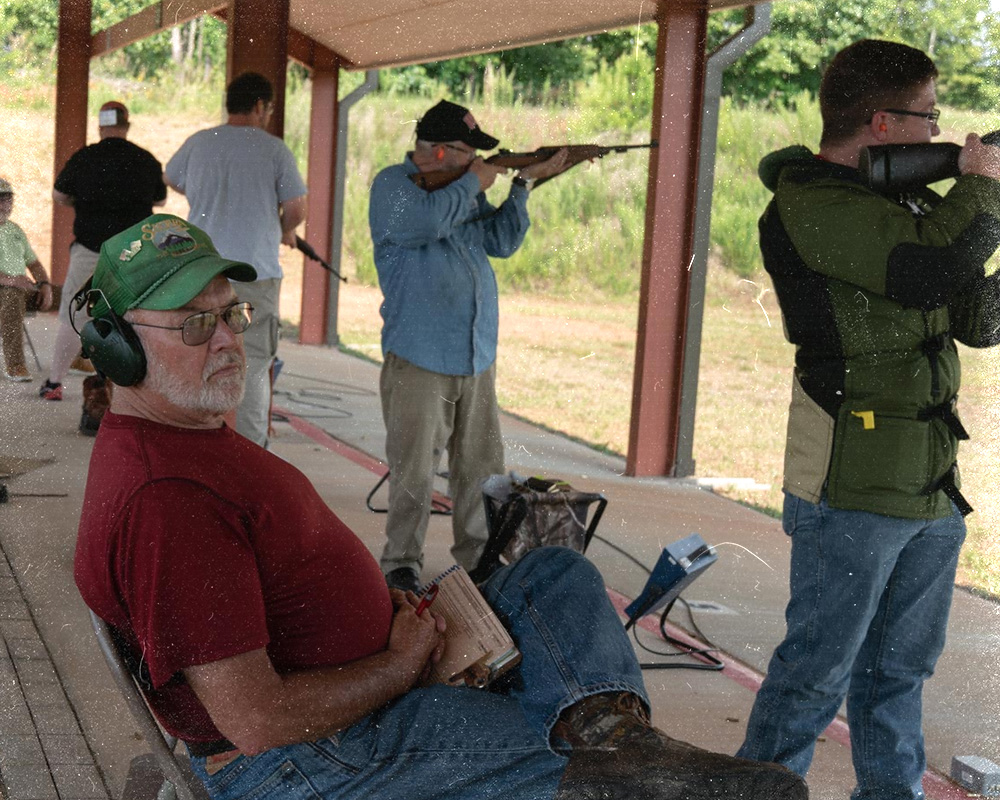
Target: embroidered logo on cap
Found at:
469, 120
170, 236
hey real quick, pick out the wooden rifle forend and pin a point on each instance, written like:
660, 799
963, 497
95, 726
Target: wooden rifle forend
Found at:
576, 153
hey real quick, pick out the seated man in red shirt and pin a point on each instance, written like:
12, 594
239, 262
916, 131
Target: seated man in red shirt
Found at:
272, 644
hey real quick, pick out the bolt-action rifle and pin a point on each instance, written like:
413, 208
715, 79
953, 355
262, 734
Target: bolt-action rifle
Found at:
309, 252
905, 167
575, 154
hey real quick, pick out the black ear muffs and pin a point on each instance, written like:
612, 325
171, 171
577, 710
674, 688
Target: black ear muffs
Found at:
114, 349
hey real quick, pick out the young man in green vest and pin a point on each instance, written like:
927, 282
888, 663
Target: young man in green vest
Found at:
875, 289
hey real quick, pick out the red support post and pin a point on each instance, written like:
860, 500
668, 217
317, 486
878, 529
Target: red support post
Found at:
322, 186
72, 72
258, 42
669, 244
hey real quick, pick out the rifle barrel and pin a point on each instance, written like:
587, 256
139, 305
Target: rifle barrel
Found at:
310, 252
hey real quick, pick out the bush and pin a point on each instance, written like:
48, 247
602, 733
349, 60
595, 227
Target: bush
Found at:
619, 97
747, 134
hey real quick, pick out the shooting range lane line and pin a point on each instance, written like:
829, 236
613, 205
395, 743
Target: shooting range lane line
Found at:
342, 448
936, 785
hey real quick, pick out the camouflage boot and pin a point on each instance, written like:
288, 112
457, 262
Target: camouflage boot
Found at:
612, 732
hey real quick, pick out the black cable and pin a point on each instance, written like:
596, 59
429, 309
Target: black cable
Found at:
5, 495
625, 553
694, 623
334, 413
371, 494
683, 649
437, 506
346, 388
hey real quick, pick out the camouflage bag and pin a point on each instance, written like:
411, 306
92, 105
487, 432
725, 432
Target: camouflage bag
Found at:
523, 514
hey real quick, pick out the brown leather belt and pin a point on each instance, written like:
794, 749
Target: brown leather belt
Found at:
217, 754
206, 749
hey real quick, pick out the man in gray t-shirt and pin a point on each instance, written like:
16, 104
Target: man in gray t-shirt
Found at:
244, 190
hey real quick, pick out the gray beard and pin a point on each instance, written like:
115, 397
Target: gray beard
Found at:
219, 397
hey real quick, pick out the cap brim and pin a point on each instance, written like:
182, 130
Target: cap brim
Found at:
480, 140
189, 281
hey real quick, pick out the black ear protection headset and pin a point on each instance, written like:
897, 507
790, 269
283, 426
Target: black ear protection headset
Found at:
111, 344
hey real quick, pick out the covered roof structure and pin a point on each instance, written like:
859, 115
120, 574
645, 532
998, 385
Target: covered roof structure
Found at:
328, 36
376, 35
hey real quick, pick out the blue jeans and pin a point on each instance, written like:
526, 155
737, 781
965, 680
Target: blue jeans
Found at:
866, 620
468, 744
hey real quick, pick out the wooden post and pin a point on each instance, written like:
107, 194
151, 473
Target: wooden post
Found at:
673, 175
316, 281
258, 42
72, 71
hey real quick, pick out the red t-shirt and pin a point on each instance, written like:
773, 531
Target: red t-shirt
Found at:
198, 545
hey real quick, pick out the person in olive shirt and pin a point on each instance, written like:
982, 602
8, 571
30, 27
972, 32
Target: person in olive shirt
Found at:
111, 185
875, 289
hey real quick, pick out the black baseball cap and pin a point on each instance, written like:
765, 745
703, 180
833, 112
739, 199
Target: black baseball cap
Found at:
449, 122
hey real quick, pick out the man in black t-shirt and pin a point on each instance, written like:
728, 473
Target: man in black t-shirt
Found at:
111, 185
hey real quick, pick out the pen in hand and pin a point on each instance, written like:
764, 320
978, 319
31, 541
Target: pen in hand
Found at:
427, 599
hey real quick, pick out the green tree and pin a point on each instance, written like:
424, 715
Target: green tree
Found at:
790, 59
28, 28
963, 38
534, 70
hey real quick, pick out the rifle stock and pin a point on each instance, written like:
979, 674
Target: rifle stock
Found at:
575, 154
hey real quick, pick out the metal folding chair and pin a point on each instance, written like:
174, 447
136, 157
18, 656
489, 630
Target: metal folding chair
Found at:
178, 781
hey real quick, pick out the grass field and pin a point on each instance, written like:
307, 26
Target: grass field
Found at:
568, 304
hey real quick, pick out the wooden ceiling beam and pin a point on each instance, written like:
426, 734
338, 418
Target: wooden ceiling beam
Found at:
166, 14
158, 17
310, 53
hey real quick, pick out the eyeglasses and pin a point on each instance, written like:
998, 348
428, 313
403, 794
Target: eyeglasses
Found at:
198, 328
469, 154
931, 116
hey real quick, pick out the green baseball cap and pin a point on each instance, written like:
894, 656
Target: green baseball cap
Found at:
160, 263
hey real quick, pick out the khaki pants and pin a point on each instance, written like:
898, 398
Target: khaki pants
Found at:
82, 262
426, 413
260, 342
12, 304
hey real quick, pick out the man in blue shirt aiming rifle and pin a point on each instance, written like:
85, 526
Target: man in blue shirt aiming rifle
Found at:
439, 335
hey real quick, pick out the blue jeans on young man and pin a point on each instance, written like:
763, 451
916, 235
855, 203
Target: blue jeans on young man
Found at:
468, 744
866, 621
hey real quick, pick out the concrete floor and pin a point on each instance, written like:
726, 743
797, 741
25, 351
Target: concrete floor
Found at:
65, 733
